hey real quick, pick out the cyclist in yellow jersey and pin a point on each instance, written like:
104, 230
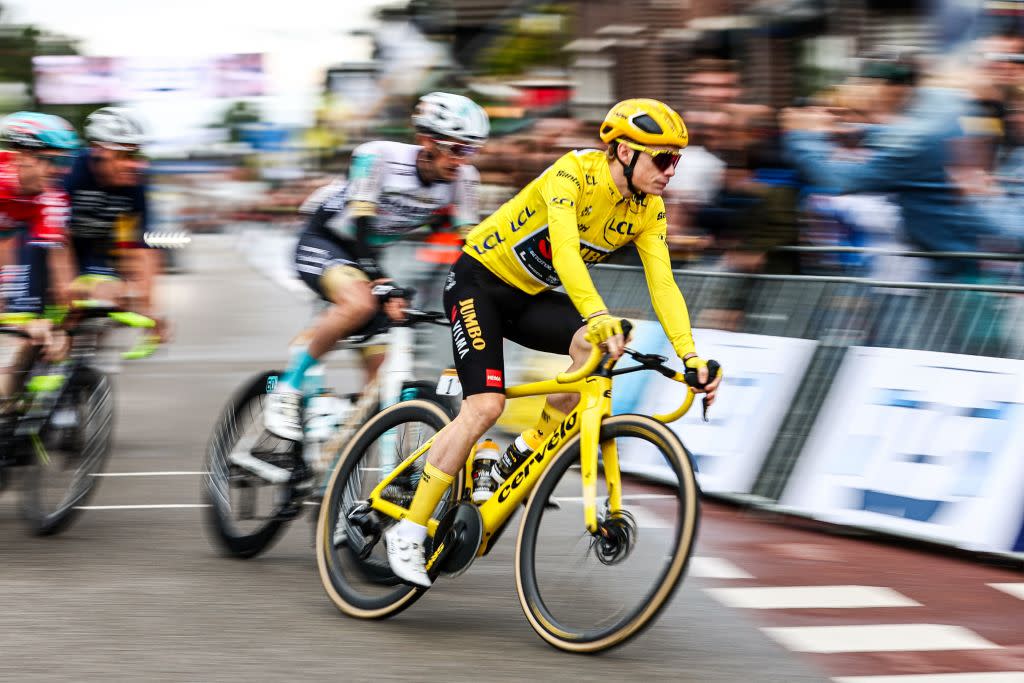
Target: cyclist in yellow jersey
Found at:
581, 209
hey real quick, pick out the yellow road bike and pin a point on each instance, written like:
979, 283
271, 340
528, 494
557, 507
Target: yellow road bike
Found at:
599, 552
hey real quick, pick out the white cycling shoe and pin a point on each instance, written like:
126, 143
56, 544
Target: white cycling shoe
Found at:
404, 542
282, 414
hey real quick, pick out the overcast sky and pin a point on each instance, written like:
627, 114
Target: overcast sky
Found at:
299, 37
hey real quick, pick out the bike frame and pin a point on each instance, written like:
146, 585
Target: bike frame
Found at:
595, 405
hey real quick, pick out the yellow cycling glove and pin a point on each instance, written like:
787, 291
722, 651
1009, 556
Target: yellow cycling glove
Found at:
602, 327
695, 362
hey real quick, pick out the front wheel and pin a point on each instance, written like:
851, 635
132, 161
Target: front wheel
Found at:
586, 594
350, 553
247, 513
69, 452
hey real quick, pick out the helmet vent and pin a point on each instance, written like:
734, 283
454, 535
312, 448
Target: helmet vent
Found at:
647, 124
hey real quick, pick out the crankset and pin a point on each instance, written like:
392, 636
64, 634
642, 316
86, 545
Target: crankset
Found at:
367, 522
456, 541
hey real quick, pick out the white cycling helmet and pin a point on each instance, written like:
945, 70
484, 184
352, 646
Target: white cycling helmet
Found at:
451, 116
114, 127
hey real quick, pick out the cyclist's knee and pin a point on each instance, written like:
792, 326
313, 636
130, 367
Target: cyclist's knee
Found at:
357, 300
579, 349
483, 409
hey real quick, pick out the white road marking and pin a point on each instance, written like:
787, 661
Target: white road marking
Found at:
161, 506
811, 597
878, 638
148, 474
972, 677
715, 568
645, 519
1014, 589
628, 496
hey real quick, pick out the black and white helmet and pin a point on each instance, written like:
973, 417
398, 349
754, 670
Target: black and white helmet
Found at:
451, 116
115, 128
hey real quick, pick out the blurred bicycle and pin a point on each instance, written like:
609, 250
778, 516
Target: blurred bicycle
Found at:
257, 483
59, 423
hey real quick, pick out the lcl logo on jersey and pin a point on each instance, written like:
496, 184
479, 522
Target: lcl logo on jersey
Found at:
586, 212
620, 227
514, 226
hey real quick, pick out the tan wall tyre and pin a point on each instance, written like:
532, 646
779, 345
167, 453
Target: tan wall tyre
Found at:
366, 588
585, 597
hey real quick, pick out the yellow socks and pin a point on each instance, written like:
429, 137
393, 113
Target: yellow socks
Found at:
433, 484
550, 418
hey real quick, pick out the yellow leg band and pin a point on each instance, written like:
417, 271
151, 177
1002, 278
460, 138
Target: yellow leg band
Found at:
433, 484
550, 417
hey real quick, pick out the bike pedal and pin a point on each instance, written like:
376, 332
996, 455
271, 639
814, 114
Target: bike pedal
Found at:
289, 512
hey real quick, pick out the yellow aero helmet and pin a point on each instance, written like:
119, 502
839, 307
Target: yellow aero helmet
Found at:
648, 122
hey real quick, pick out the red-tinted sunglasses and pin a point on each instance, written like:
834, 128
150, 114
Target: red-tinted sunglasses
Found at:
663, 159
457, 149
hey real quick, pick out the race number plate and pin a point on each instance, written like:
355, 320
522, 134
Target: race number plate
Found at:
448, 384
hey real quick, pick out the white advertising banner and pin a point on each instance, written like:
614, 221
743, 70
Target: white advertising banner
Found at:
920, 443
72, 79
761, 377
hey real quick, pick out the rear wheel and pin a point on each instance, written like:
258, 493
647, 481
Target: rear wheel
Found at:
585, 593
70, 450
350, 553
246, 512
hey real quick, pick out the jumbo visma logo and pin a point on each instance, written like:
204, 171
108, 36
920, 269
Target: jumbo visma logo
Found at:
468, 310
550, 446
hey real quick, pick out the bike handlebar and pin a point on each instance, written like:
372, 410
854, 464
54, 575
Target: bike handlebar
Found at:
94, 309
413, 317
651, 361
597, 354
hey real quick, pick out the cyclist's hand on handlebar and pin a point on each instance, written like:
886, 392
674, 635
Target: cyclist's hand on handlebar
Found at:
602, 328
393, 306
53, 341
706, 384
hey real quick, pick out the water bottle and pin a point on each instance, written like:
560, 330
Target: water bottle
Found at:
483, 460
516, 452
322, 418
323, 415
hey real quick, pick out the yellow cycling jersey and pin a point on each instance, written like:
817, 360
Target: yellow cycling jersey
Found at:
569, 218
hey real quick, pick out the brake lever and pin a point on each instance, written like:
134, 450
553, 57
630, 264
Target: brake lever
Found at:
714, 368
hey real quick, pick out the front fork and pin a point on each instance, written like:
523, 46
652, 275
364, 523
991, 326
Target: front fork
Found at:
597, 408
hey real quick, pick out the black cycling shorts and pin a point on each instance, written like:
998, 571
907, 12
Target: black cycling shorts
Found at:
484, 310
314, 256
94, 256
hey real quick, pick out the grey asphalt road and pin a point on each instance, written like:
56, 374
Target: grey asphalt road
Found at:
137, 593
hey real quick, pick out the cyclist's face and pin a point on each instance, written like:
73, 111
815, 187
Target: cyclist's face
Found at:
119, 167
36, 171
647, 176
447, 156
